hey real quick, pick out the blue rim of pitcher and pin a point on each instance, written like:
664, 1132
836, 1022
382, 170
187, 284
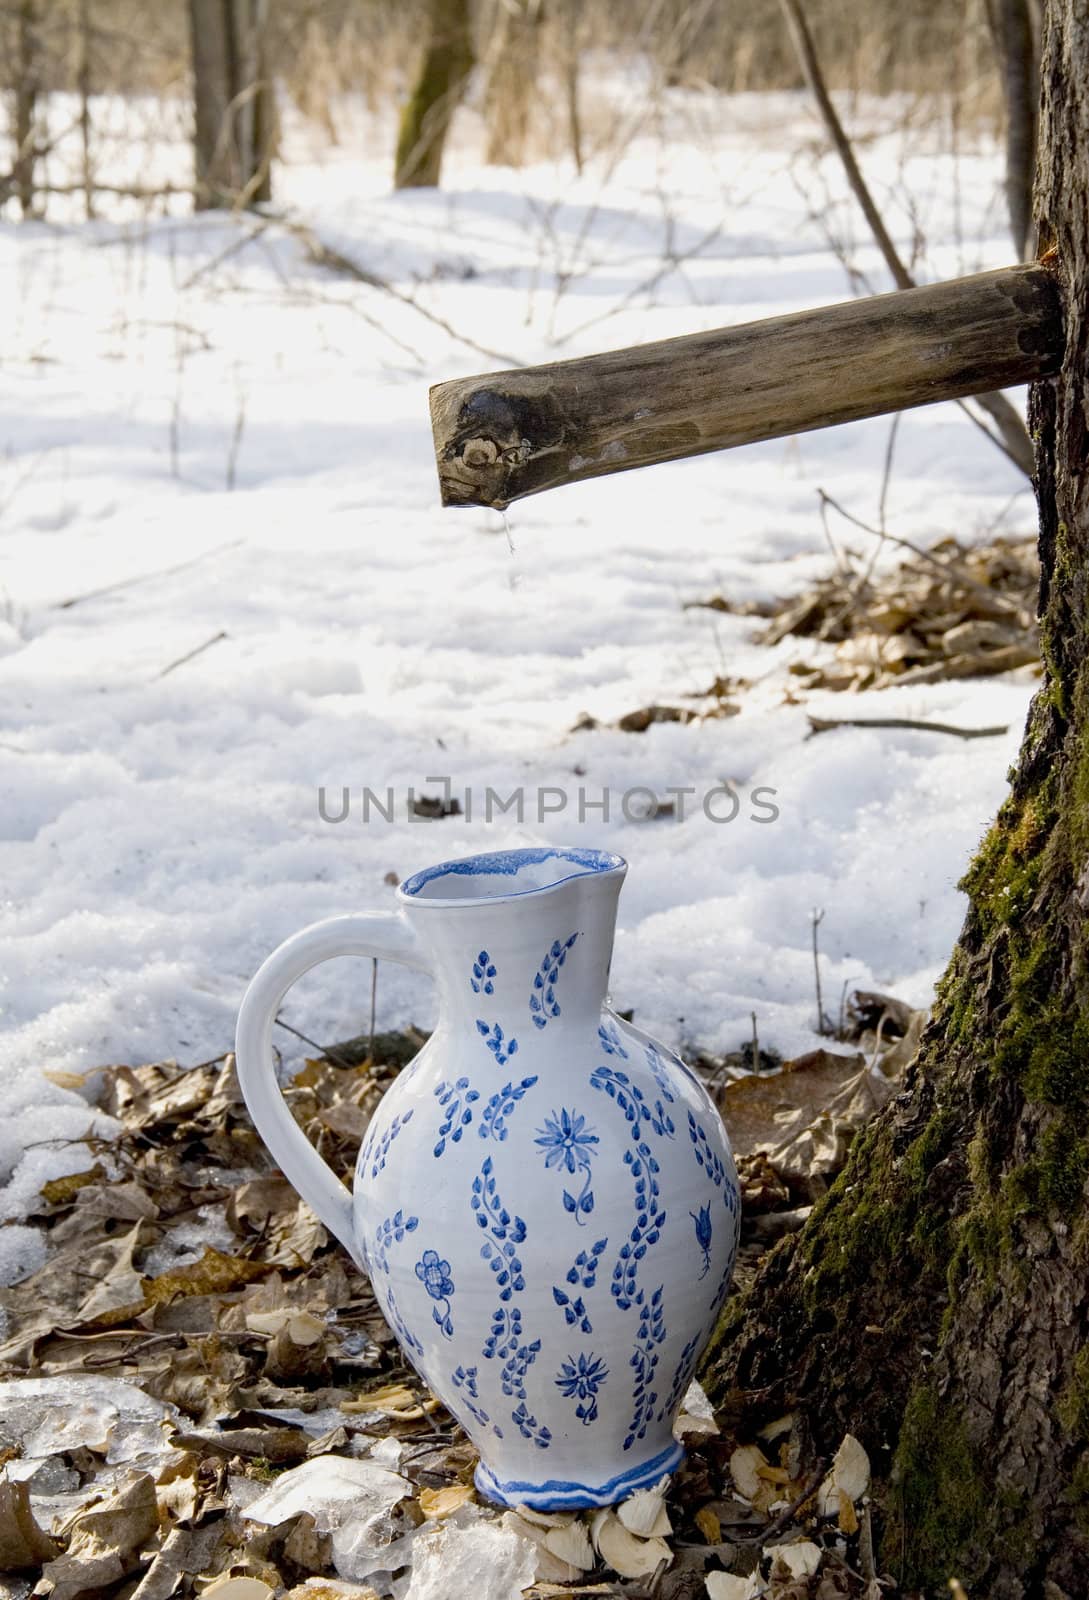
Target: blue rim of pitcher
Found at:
507, 863
558, 1494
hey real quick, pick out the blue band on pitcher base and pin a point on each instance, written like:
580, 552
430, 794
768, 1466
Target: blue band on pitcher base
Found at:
556, 1494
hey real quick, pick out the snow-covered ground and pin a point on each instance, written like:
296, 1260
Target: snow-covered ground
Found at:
232, 444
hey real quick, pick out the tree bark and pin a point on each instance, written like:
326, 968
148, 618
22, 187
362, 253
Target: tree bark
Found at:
1011, 22
512, 81
26, 88
937, 1302
439, 85
234, 111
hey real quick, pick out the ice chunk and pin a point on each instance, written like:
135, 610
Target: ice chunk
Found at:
349, 1499
487, 1560
48, 1416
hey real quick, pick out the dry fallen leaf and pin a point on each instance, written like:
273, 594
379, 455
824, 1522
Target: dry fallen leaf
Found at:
730, 1586
214, 1273
849, 1477
799, 1559
103, 1540
747, 1463
645, 1514
22, 1543
707, 1521
439, 1503
237, 1589
627, 1554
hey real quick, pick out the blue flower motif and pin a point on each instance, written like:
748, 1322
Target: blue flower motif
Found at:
434, 1274
702, 1220
501, 1047
582, 1378
483, 973
567, 1141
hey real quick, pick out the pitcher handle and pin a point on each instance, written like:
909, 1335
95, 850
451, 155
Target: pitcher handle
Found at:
382, 934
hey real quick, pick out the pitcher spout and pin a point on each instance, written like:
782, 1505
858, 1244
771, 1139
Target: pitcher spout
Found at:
550, 911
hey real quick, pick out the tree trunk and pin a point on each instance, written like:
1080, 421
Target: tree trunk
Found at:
512, 81
1011, 22
937, 1302
440, 83
26, 105
235, 115
83, 86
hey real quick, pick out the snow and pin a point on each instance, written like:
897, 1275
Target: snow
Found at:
232, 445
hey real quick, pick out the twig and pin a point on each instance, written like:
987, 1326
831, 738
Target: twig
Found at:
374, 1007
144, 577
817, 917
200, 649
826, 724
236, 440
330, 1052
326, 255
957, 574
1013, 439
780, 1522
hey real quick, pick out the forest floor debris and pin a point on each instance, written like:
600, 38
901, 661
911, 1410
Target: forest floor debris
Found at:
197, 1386
951, 611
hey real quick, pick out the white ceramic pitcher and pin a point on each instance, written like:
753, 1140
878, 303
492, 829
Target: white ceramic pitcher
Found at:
545, 1200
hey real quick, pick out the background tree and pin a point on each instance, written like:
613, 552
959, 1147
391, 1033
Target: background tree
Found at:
439, 85
1011, 24
25, 119
937, 1301
233, 102
512, 80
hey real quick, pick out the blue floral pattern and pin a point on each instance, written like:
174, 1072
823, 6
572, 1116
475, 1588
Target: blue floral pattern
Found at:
686, 1366
650, 1214
632, 1101
658, 1068
584, 1271
518, 1363
702, 1220
610, 1040
464, 1380
391, 1232
505, 1334
644, 1363
507, 1232
574, 1310
530, 1428
397, 1322
457, 1101
569, 1143
482, 980
500, 1046
706, 1158
376, 1146
543, 1005
732, 1200
434, 1274
650, 1218
493, 1119
580, 1378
